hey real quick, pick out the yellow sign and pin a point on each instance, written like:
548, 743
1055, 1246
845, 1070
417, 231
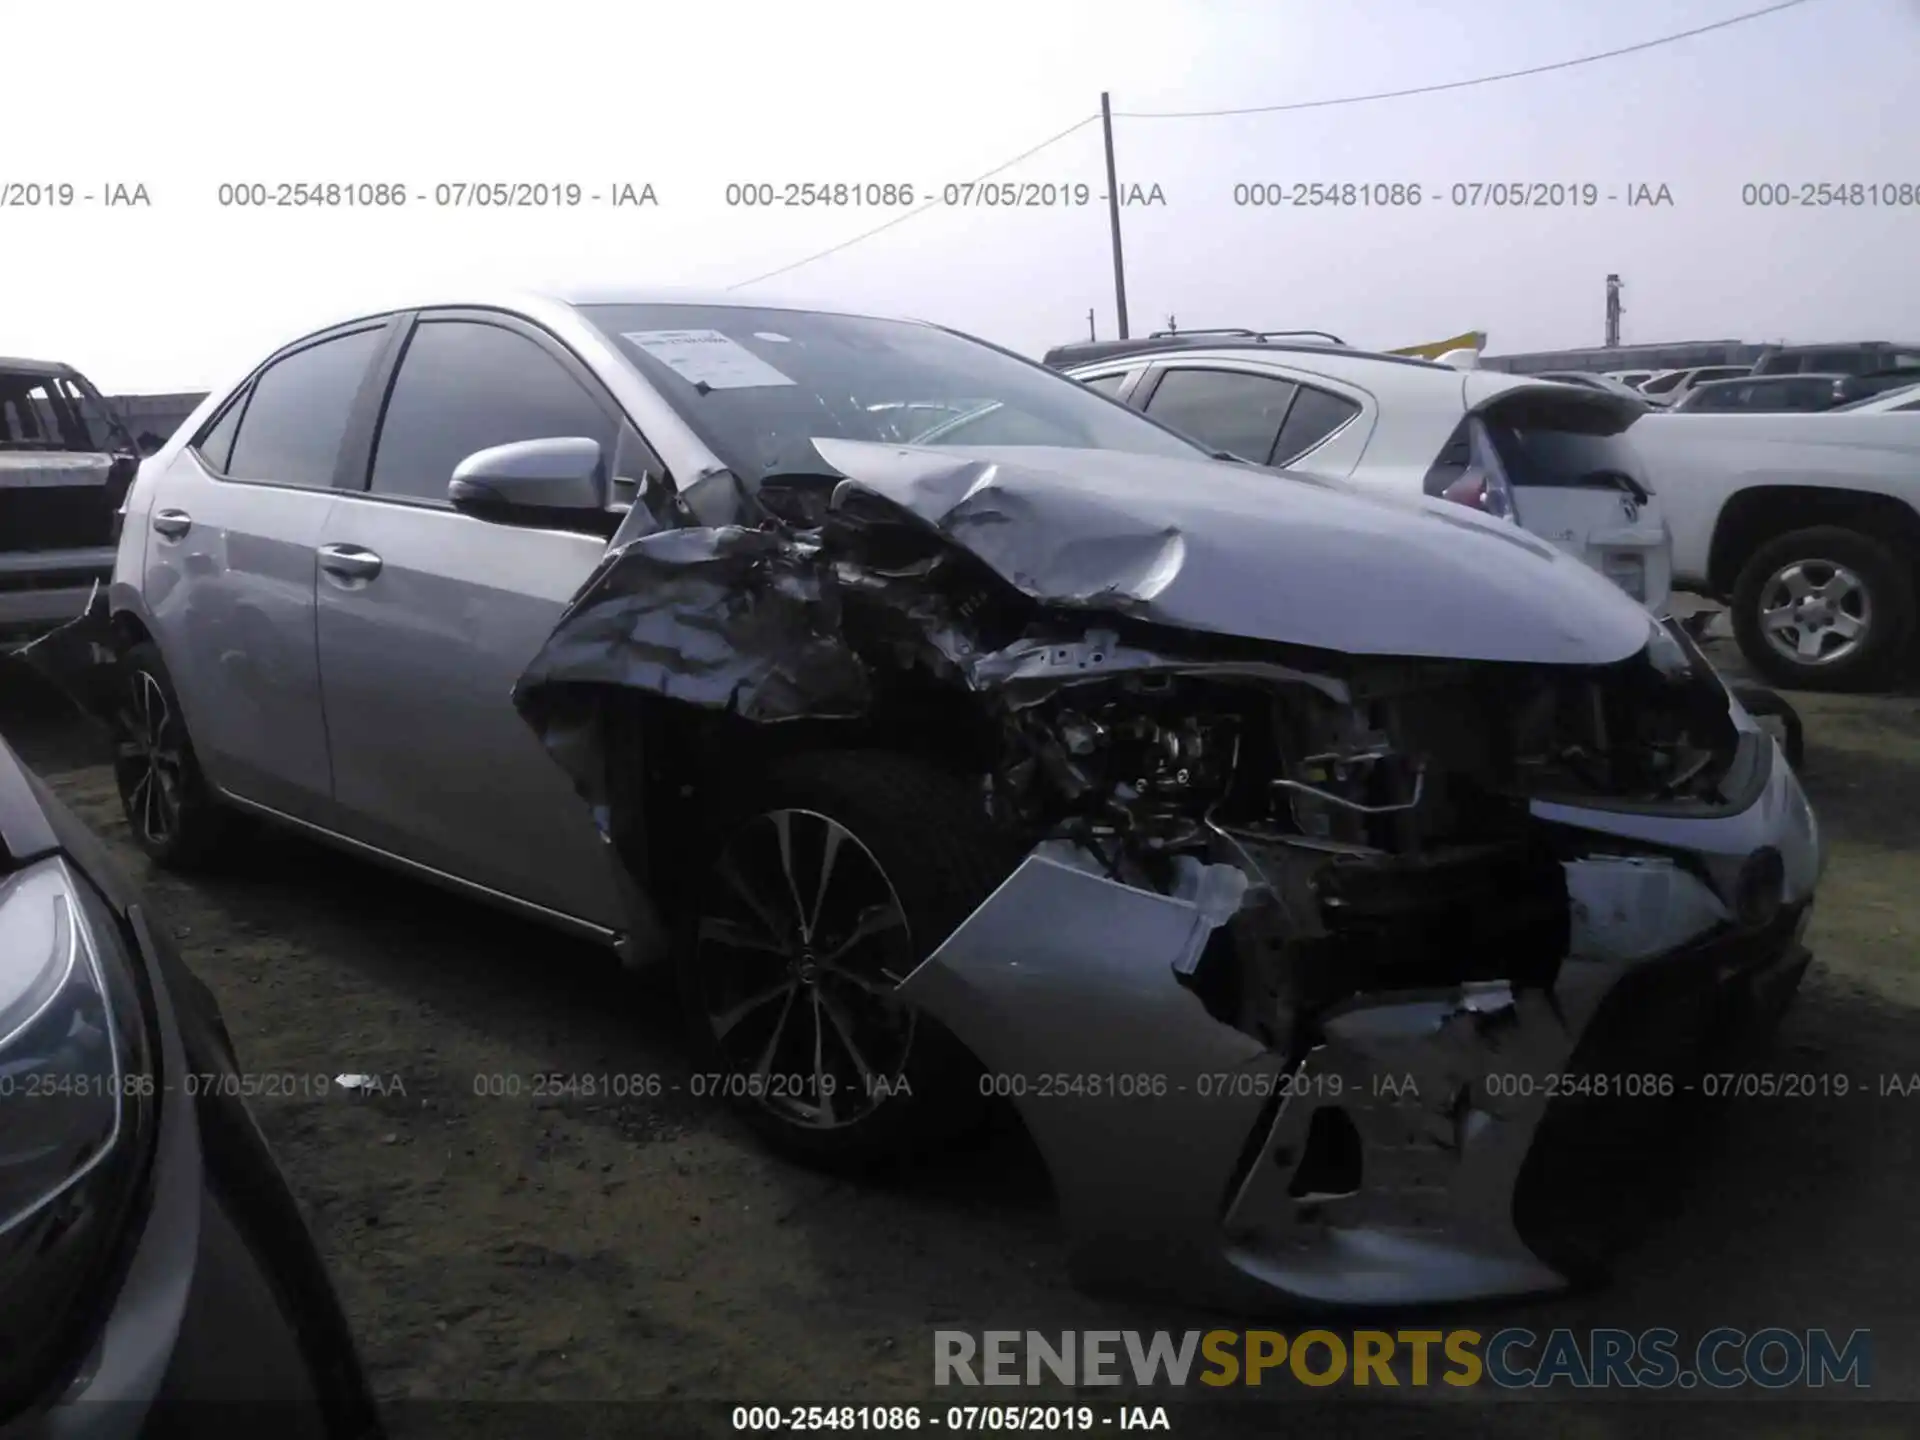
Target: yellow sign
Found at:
1472, 340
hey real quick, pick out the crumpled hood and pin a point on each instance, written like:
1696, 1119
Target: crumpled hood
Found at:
1210, 546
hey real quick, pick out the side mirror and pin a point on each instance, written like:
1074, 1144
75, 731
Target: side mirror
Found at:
558, 483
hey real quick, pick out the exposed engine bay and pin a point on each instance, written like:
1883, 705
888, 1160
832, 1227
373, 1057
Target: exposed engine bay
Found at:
1382, 816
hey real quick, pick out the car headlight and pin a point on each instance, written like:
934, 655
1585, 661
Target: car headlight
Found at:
77, 1108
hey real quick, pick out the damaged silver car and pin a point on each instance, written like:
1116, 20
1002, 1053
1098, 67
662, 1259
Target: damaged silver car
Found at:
1339, 886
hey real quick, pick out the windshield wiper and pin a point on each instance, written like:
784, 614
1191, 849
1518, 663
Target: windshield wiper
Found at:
1619, 479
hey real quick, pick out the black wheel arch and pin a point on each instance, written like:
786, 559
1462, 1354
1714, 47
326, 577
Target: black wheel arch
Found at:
667, 763
1754, 516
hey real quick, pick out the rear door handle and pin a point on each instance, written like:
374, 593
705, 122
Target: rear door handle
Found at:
349, 562
172, 523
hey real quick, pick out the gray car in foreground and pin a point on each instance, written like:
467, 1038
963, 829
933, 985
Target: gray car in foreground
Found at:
1337, 885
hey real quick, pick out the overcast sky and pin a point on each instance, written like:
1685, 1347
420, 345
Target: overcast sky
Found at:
183, 97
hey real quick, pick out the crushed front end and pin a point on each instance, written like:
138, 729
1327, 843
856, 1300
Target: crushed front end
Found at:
1330, 975
1318, 962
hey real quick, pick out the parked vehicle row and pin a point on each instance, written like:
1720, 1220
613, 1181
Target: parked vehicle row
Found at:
934, 714
1806, 392
1784, 377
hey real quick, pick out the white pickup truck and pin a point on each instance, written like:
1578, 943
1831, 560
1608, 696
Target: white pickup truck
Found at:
1806, 526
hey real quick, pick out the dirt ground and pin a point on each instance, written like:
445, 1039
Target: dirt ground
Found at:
490, 1247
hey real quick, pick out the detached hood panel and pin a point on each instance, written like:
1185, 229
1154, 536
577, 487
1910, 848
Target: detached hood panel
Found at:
1220, 548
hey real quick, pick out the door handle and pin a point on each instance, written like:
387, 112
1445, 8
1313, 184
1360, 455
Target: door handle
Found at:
172, 523
349, 562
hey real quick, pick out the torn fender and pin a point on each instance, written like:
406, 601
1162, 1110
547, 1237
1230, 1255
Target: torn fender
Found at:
1177, 1143
731, 619
1062, 984
1243, 551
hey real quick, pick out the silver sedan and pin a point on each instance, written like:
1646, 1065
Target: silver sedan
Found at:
1306, 867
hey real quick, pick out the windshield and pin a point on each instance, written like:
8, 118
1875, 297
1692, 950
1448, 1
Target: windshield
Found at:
759, 385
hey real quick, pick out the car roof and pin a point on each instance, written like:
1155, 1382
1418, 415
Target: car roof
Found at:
1775, 379
535, 302
13, 365
1329, 359
1089, 352
1379, 374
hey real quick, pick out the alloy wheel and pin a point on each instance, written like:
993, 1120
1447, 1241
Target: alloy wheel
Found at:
1815, 612
802, 941
151, 762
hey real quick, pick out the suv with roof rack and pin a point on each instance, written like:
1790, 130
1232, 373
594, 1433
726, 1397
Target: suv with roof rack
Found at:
1550, 457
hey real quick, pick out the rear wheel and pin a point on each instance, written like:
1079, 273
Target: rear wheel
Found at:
1826, 608
821, 888
170, 808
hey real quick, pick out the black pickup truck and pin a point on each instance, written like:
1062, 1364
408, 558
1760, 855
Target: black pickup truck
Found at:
66, 461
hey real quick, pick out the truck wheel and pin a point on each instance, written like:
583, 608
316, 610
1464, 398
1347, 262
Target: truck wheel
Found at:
170, 808
822, 884
1826, 608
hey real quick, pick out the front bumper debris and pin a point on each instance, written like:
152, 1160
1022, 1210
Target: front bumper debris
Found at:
1386, 1167
80, 657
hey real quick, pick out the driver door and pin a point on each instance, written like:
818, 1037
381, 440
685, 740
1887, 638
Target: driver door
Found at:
427, 618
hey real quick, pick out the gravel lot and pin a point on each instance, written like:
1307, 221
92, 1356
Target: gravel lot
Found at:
491, 1247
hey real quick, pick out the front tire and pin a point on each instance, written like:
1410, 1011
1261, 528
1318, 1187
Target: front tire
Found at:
823, 882
1826, 608
173, 813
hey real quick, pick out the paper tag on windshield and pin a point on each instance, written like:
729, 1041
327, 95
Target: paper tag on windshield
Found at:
706, 357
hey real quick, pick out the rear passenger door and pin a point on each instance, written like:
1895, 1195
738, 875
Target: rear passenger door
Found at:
229, 567
427, 618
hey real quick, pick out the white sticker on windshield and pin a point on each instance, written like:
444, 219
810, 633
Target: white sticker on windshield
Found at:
706, 357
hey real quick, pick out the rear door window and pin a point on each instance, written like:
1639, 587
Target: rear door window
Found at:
1229, 410
1315, 415
297, 413
1109, 384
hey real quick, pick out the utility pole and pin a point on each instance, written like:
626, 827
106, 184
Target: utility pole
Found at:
1613, 312
1113, 217
1172, 328
1090, 334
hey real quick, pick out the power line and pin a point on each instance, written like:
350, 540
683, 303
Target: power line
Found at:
1460, 84
907, 215
1078, 125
